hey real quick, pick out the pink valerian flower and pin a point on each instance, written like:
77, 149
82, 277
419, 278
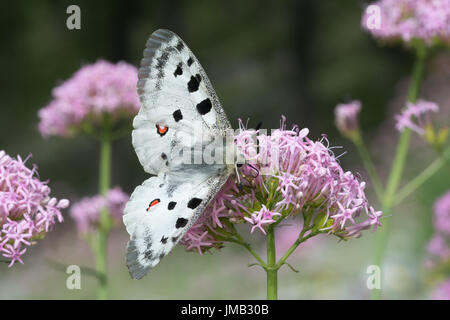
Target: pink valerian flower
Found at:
442, 292
86, 212
416, 116
439, 245
197, 238
407, 20
296, 176
261, 218
27, 212
442, 214
93, 91
346, 117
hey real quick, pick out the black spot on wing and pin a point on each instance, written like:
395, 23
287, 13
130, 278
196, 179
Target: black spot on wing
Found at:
171, 205
180, 46
163, 156
148, 254
181, 222
204, 107
174, 239
190, 61
164, 239
194, 203
178, 70
177, 115
194, 83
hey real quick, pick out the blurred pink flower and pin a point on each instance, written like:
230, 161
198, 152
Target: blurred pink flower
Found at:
416, 116
438, 247
442, 214
346, 117
442, 292
406, 20
86, 212
93, 91
299, 174
27, 212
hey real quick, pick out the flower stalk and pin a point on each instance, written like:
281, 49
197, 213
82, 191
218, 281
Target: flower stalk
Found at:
101, 247
271, 269
388, 200
420, 179
368, 165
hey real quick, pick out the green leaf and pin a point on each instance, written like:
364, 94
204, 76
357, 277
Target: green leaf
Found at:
320, 221
442, 136
430, 137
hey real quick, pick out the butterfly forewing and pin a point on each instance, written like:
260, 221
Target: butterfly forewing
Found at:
175, 94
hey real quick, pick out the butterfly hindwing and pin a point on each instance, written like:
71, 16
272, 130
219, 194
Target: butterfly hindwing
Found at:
176, 96
162, 209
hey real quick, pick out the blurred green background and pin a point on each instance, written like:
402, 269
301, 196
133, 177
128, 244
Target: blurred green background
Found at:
265, 59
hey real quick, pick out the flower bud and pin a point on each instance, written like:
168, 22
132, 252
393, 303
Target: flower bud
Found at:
346, 118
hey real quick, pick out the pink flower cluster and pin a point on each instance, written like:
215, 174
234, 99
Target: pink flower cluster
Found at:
442, 292
287, 174
86, 212
439, 245
27, 212
405, 20
93, 91
346, 117
442, 214
416, 116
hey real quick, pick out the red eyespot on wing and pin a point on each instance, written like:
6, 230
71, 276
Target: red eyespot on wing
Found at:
153, 203
161, 129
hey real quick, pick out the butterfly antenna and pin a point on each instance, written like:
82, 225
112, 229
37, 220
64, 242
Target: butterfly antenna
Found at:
258, 126
238, 178
255, 169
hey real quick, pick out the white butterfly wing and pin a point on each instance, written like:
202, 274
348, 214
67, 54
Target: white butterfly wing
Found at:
179, 108
161, 211
176, 96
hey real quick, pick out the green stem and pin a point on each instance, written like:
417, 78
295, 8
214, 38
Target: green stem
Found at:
414, 184
247, 246
101, 245
294, 246
254, 254
368, 164
398, 166
272, 280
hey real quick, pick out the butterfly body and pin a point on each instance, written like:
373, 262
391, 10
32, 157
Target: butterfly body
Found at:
180, 123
